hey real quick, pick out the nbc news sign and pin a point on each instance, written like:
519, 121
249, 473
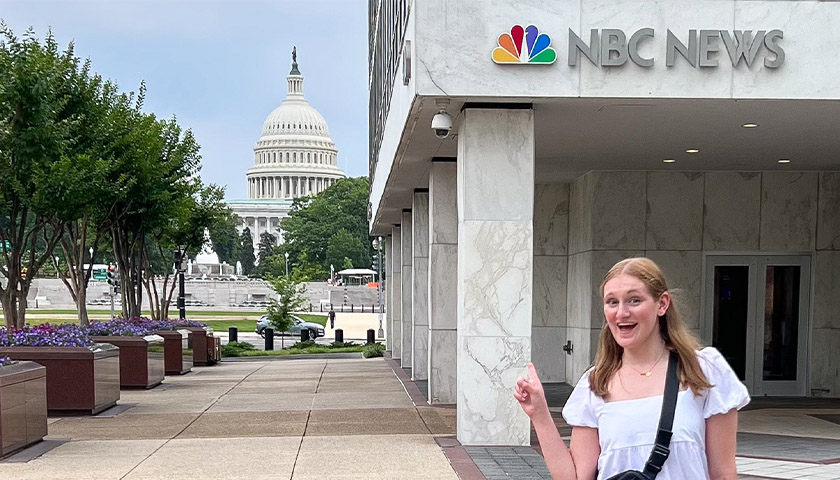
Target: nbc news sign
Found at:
611, 47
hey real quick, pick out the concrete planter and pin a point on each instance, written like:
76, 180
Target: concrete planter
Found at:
79, 380
23, 406
140, 367
174, 344
204, 346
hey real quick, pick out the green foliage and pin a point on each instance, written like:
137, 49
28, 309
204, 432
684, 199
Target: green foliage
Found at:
343, 344
373, 350
306, 270
290, 299
314, 221
235, 349
225, 238
301, 345
265, 250
246, 251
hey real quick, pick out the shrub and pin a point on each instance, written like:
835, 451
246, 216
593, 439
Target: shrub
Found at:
235, 349
343, 344
302, 345
373, 350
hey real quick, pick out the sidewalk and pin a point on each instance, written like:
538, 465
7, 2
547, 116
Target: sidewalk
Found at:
301, 419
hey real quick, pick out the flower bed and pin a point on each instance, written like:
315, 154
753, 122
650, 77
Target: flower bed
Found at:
23, 404
81, 376
140, 365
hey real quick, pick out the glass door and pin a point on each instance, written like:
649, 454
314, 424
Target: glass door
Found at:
755, 313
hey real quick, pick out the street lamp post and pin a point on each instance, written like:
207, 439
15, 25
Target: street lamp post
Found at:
377, 244
287, 263
56, 267
182, 307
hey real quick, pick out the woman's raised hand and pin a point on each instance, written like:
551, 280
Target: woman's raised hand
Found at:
529, 393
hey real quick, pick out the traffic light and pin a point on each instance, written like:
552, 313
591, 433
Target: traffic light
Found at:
113, 276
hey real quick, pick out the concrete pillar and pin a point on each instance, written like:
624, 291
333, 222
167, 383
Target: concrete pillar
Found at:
388, 271
406, 317
495, 272
443, 278
395, 292
420, 285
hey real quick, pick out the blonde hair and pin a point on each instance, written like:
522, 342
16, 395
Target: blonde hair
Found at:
671, 327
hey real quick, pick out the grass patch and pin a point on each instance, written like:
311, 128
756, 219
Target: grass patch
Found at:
373, 350
299, 351
190, 313
308, 317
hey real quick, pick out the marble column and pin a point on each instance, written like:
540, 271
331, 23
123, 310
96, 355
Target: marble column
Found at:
395, 292
443, 278
420, 285
388, 271
406, 316
495, 272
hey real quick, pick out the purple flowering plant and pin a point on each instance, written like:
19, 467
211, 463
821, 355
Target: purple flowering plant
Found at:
5, 361
46, 335
138, 326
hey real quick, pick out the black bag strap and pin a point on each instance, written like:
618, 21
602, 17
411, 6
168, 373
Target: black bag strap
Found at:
661, 448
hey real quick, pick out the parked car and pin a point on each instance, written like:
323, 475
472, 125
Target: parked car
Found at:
298, 324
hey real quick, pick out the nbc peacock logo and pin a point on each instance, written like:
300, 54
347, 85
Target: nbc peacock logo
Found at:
524, 45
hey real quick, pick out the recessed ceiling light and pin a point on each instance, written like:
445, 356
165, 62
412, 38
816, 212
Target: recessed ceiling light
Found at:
692, 150
669, 160
784, 160
749, 125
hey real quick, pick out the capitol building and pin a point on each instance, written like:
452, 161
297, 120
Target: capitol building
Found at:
294, 157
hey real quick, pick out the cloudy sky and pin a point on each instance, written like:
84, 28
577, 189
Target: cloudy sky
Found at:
220, 66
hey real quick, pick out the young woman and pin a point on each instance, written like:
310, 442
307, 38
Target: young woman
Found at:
614, 409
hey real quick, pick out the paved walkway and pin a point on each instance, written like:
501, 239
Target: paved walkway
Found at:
346, 419
270, 419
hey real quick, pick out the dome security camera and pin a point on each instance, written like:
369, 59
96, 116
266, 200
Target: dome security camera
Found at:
442, 124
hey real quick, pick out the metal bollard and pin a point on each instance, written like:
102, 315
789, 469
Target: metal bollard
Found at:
339, 335
304, 335
371, 336
233, 334
269, 338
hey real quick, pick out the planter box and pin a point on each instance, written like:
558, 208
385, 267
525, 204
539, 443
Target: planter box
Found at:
203, 345
139, 366
79, 380
174, 344
23, 406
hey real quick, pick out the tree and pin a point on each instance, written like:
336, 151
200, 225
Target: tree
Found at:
344, 245
289, 299
246, 251
265, 247
305, 270
313, 221
37, 120
226, 238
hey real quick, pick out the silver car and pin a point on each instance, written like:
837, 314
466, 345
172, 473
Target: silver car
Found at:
298, 324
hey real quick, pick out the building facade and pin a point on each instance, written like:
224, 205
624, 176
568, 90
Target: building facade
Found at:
518, 150
294, 157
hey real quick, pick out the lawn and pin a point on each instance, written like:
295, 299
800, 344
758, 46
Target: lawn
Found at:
243, 324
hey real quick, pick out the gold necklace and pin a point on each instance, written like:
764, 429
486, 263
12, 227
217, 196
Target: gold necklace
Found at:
649, 371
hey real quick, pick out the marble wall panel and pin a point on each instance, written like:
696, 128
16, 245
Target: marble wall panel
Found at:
503, 140
488, 368
828, 217
584, 346
443, 286
395, 253
788, 211
443, 210
826, 289
551, 218
825, 362
407, 238
395, 315
550, 276
420, 224
496, 279
579, 298
389, 331
674, 211
547, 353
732, 206
406, 317
420, 316
618, 212
420, 343
580, 214
684, 272
443, 367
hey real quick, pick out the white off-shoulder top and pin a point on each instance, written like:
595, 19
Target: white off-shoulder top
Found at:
627, 428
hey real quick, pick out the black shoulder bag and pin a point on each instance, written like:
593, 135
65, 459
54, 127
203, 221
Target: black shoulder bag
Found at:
663, 435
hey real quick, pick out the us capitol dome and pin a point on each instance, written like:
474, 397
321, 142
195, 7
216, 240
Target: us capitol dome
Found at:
294, 157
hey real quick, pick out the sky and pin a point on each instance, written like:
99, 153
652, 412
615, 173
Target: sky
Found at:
220, 66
